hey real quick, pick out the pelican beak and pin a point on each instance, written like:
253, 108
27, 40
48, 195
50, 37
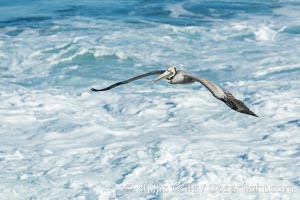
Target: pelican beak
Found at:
166, 74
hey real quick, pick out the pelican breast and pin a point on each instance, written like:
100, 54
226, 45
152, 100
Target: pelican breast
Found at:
181, 78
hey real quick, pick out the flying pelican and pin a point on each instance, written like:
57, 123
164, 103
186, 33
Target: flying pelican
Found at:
174, 76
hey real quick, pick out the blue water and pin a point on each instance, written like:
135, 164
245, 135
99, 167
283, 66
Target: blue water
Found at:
60, 141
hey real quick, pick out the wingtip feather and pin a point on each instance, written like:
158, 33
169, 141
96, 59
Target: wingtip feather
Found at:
93, 89
249, 112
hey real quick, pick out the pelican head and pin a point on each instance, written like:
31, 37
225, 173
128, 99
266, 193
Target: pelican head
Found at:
169, 73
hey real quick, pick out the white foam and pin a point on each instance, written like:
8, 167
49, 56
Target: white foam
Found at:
265, 34
64, 141
177, 10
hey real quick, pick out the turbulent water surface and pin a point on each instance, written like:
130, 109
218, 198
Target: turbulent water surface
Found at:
148, 140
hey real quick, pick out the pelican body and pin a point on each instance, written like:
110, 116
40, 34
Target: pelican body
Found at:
174, 76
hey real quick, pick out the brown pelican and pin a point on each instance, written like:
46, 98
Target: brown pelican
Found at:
174, 76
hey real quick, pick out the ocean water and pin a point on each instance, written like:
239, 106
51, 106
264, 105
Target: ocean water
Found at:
148, 140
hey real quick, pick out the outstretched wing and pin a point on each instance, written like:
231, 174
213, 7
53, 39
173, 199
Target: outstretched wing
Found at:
223, 95
236, 104
129, 80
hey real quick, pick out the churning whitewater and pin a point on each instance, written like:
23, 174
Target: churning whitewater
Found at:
59, 140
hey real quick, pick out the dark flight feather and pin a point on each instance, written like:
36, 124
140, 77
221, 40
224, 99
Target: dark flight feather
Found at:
129, 80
